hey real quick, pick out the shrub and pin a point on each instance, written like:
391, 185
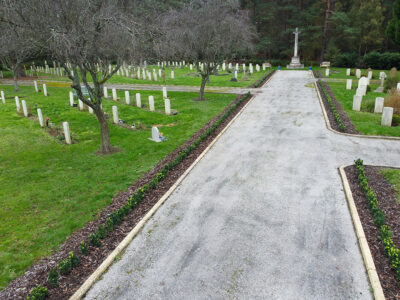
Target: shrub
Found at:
73, 259
94, 240
53, 277
390, 83
65, 266
384, 61
38, 293
393, 100
369, 105
101, 232
396, 120
84, 248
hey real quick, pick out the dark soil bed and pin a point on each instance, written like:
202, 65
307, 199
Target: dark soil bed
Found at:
345, 118
387, 202
37, 274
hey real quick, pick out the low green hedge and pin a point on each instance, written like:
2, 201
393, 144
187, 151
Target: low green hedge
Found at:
336, 115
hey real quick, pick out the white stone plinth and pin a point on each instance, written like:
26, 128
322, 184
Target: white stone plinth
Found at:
379, 101
387, 116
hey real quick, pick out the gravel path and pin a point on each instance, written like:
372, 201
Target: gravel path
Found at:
262, 216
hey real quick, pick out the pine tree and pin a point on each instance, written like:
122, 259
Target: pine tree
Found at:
393, 28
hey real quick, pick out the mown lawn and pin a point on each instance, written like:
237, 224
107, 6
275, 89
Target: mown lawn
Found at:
48, 189
182, 76
393, 176
365, 122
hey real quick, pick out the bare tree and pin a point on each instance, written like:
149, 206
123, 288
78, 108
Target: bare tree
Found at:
207, 31
90, 39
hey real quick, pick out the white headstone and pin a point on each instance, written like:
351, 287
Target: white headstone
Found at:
235, 74
24, 108
115, 114
155, 134
172, 75
251, 68
382, 77
44, 90
127, 98
90, 110
257, 67
40, 116
36, 86
327, 72
387, 116
138, 100
379, 101
357, 102
3, 99
114, 94
105, 92
369, 74
67, 134
17, 103
347, 72
149, 75
159, 73
398, 85
151, 103
349, 83
164, 92
244, 67
71, 98
167, 107
223, 66
230, 65
80, 104
358, 73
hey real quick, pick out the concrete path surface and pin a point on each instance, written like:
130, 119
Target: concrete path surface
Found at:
262, 216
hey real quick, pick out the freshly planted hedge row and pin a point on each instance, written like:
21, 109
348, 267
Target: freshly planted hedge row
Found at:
116, 217
391, 251
259, 82
336, 115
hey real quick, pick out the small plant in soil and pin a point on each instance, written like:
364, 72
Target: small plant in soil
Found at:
38, 293
84, 248
53, 277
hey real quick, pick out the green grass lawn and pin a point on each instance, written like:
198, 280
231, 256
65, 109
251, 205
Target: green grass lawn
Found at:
183, 76
340, 73
393, 176
365, 122
49, 190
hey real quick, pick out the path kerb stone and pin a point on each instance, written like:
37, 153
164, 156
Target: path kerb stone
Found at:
379, 101
387, 116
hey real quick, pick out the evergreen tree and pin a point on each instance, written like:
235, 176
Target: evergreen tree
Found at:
393, 29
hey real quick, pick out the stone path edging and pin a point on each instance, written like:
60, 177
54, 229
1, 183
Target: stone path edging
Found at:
362, 241
125, 242
328, 124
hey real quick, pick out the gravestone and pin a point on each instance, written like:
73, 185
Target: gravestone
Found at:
45, 90
80, 103
327, 72
358, 73
67, 134
36, 86
369, 75
244, 67
105, 92
90, 110
357, 102
3, 99
382, 77
348, 72
379, 101
151, 103
114, 94
155, 135
24, 108
71, 98
387, 116
40, 116
349, 83
191, 67
398, 85
235, 74
164, 91
172, 75
149, 75
138, 100
159, 73
115, 114
167, 107
17, 103
223, 66
257, 67
127, 98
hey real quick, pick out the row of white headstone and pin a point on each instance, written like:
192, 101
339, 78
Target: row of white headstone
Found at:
18, 105
167, 102
387, 112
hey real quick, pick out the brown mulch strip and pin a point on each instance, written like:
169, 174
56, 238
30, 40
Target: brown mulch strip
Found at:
388, 203
37, 274
345, 118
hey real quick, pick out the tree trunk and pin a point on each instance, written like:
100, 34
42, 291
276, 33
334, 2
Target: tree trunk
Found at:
202, 87
104, 131
324, 36
15, 77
